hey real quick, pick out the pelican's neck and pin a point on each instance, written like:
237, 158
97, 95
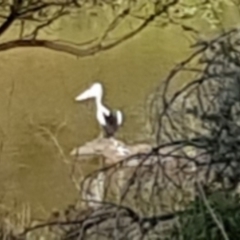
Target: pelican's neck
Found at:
98, 100
100, 107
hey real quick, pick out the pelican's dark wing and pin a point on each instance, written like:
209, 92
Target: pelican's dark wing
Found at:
111, 125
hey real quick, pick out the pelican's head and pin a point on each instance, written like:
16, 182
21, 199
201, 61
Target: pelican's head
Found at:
95, 91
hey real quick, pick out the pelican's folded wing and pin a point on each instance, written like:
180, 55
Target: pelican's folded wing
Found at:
119, 117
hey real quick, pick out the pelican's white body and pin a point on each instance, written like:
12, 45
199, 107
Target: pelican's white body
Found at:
96, 91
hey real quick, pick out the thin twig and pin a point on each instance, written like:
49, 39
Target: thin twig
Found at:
213, 215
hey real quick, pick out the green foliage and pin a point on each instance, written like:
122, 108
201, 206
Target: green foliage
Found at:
197, 223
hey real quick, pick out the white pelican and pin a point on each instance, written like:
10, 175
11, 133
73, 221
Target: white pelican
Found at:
109, 120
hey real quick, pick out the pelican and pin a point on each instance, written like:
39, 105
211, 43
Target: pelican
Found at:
108, 120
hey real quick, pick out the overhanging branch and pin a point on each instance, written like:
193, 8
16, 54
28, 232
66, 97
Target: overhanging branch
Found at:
87, 51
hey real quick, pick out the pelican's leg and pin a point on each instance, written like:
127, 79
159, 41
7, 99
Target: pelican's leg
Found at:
101, 135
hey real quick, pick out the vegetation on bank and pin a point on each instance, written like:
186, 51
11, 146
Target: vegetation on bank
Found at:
190, 188
187, 186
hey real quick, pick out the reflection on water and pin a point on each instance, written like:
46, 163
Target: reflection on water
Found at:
38, 88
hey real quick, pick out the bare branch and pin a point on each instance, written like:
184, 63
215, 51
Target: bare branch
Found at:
45, 13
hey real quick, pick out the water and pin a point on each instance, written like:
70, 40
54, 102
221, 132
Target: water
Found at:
38, 88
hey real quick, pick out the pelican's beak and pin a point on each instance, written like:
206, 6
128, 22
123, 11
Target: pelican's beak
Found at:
83, 96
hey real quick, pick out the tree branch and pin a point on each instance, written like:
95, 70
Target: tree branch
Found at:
8, 22
74, 50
